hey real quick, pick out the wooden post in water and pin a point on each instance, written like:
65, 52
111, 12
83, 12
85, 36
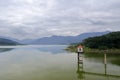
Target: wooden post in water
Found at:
105, 60
80, 62
80, 58
105, 63
80, 71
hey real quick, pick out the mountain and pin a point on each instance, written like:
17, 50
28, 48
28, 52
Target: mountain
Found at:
4, 41
51, 40
108, 41
66, 39
10, 38
26, 41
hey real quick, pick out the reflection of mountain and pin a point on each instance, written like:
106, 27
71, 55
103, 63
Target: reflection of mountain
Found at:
5, 49
111, 58
116, 61
53, 49
83, 74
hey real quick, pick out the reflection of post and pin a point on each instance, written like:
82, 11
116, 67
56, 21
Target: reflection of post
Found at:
80, 66
105, 64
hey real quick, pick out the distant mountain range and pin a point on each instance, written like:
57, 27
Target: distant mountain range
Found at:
51, 40
66, 39
7, 42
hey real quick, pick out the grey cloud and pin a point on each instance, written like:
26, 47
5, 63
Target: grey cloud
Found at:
39, 18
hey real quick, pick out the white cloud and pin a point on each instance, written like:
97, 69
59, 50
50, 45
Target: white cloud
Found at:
39, 18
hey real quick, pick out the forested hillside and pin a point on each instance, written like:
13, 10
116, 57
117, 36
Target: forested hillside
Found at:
7, 42
109, 41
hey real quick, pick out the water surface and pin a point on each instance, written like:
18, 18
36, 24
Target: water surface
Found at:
51, 62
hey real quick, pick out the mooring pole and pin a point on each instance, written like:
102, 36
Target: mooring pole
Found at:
78, 54
105, 63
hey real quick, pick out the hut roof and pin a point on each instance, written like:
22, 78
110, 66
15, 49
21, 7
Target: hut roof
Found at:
80, 46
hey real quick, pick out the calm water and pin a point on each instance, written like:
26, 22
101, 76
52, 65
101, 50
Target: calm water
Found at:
47, 62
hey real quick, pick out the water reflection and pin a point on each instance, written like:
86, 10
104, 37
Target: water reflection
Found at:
5, 49
53, 49
111, 58
82, 72
32, 64
44, 48
105, 64
42, 63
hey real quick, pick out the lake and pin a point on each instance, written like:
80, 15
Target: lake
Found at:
51, 62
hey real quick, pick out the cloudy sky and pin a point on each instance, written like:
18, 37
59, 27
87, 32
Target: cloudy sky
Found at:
26, 19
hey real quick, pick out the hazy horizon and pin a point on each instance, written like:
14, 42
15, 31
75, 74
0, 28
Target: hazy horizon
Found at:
13, 38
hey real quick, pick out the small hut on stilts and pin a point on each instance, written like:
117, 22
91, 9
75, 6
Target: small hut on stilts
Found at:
80, 49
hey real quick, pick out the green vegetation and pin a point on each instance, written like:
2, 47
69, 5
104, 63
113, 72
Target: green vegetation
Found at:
109, 43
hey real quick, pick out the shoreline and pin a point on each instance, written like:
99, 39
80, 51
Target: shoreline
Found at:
95, 51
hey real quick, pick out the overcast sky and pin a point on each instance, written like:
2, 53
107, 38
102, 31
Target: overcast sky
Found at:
25, 19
